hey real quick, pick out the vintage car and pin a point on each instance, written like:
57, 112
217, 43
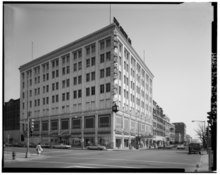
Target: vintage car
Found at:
96, 147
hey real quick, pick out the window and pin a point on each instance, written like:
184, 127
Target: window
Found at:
93, 76
119, 75
57, 73
75, 55
93, 48
87, 91
108, 42
108, 87
79, 79
63, 70
53, 74
74, 94
102, 88
63, 84
102, 73
54, 125
88, 62
63, 97
79, 65
67, 96
108, 71
119, 90
79, 93
67, 82
45, 126
65, 124
80, 53
90, 122
67, 69
57, 98
93, 61
87, 50
87, 77
119, 60
76, 123
104, 121
102, 44
93, 90
102, 58
57, 85
75, 81
108, 56
75, 67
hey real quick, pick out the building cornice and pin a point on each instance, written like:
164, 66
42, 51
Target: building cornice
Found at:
69, 47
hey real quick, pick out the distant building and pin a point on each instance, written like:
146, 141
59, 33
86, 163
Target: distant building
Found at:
11, 119
172, 133
70, 92
158, 125
180, 131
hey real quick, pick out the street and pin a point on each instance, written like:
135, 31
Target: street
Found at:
111, 159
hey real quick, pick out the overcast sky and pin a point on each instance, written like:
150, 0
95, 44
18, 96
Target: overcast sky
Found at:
176, 40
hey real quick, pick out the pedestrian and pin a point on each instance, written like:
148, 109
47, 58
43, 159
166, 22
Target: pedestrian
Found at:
39, 149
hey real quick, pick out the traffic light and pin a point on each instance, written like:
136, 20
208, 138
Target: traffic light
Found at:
115, 108
31, 127
209, 118
32, 124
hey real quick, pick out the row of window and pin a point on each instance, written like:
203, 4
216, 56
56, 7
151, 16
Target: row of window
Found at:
89, 122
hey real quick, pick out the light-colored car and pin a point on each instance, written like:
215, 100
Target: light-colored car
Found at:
61, 146
96, 147
180, 146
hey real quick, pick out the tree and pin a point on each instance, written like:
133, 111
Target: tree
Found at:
202, 133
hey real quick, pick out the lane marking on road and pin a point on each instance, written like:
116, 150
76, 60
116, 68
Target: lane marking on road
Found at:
81, 164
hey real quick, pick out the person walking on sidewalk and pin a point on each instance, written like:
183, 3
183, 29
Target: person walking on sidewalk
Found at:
39, 149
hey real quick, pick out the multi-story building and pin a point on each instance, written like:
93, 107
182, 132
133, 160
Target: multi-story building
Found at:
172, 133
180, 132
11, 119
70, 92
158, 125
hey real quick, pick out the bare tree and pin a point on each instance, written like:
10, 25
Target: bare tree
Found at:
202, 133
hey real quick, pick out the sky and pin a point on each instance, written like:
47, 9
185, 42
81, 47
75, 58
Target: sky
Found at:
173, 40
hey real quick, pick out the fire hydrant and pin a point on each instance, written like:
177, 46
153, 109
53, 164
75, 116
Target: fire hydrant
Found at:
13, 155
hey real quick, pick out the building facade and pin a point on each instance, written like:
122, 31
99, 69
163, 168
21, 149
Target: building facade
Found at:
70, 92
158, 125
180, 132
11, 119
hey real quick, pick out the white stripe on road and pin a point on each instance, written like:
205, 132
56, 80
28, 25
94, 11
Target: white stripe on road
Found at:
81, 164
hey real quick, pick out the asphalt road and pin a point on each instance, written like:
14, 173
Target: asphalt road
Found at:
121, 159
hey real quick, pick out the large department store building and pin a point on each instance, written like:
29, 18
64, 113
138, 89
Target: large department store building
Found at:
70, 92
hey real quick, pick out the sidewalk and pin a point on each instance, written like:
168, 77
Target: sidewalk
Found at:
21, 156
203, 165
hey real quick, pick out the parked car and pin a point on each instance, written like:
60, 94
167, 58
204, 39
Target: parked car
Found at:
195, 147
169, 146
61, 146
96, 147
181, 146
46, 146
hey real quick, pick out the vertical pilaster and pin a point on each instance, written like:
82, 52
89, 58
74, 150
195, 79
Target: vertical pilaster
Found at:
96, 128
82, 131
113, 130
